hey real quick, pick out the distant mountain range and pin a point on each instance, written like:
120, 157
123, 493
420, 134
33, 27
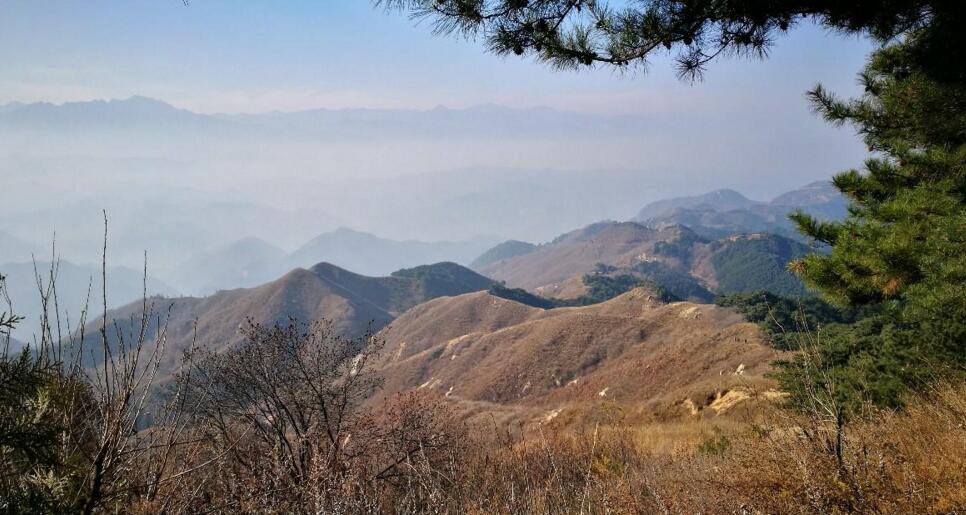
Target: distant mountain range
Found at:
724, 212
524, 174
143, 113
505, 250
691, 266
14, 249
252, 261
240, 264
137, 111
372, 255
713, 216
77, 286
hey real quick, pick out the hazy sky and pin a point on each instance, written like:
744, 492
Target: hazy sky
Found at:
746, 126
251, 56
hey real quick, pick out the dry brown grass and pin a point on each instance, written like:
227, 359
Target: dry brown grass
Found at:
908, 462
893, 462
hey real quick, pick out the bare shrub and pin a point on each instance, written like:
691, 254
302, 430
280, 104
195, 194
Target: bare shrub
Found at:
73, 407
285, 429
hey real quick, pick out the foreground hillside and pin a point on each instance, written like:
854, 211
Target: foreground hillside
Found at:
675, 257
487, 405
533, 365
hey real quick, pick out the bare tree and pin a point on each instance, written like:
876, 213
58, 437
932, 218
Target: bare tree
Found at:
286, 411
85, 402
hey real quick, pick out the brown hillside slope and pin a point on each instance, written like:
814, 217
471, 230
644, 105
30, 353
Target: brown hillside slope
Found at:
633, 350
688, 265
576, 253
350, 301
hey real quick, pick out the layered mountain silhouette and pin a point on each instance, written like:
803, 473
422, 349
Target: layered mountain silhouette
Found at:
251, 261
370, 254
16, 250
688, 264
197, 161
505, 250
133, 111
143, 113
718, 200
77, 287
725, 212
240, 264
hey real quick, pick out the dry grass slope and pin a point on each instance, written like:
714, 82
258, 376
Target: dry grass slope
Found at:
654, 361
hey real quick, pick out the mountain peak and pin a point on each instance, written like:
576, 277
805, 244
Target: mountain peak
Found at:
726, 193
719, 200
143, 101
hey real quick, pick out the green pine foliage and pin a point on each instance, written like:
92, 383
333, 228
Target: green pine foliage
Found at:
579, 33
442, 279
680, 248
751, 264
605, 287
902, 248
677, 285
787, 320
38, 467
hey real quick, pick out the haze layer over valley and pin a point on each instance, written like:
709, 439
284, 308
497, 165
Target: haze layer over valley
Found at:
177, 182
225, 201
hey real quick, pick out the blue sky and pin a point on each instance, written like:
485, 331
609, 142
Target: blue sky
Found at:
248, 56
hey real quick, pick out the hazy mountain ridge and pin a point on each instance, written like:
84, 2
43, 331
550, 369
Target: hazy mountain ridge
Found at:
134, 112
77, 286
14, 249
240, 264
525, 174
171, 224
505, 250
251, 261
675, 257
373, 255
723, 212
144, 113
719, 200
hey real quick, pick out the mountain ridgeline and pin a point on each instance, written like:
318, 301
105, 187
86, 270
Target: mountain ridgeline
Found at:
251, 261
354, 304
685, 264
538, 364
725, 212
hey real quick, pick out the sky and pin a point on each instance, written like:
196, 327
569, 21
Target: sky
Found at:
249, 56
745, 126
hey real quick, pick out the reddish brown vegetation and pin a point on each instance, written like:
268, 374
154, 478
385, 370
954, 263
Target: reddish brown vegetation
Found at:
911, 462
